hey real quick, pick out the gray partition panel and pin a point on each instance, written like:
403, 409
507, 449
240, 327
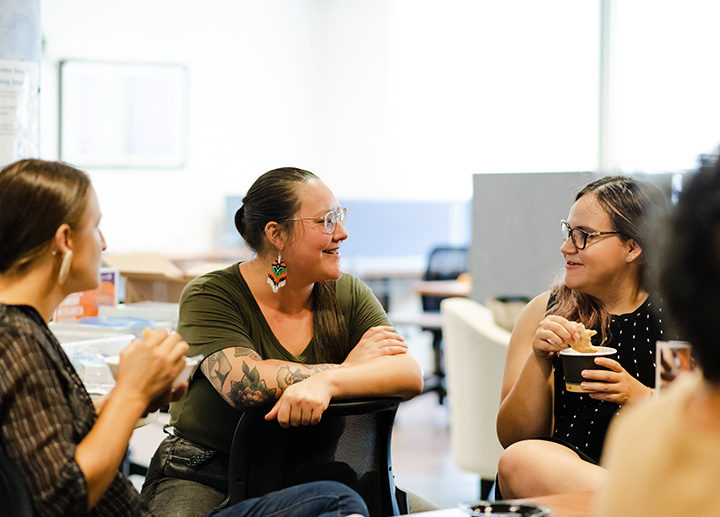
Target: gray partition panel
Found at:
516, 229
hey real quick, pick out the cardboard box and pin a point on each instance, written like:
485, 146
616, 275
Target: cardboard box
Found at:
154, 277
86, 303
149, 276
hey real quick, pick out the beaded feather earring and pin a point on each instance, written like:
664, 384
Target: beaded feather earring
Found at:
277, 274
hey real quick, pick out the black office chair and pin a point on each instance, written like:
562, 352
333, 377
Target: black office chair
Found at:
15, 498
351, 444
444, 263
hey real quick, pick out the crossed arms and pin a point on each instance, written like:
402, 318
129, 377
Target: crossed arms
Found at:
378, 366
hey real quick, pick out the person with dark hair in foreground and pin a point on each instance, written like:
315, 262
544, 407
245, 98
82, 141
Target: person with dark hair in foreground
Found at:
672, 466
69, 448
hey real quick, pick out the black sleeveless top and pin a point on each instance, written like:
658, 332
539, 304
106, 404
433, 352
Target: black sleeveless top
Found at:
581, 422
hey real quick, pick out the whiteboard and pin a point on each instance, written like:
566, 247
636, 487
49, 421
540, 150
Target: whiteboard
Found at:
123, 114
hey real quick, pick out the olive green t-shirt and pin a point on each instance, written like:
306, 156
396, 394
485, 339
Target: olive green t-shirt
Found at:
218, 311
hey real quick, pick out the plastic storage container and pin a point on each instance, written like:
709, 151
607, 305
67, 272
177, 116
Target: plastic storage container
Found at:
118, 324
164, 314
87, 349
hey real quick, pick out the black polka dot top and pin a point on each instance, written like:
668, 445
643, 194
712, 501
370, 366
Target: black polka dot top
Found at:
580, 421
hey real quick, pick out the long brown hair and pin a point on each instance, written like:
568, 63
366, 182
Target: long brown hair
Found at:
274, 197
36, 197
627, 202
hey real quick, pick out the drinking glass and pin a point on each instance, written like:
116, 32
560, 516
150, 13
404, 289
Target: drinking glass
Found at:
674, 358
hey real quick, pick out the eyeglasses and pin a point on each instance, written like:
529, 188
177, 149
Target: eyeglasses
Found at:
330, 220
578, 235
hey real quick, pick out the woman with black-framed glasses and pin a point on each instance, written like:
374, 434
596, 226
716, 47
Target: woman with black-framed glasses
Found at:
554, 437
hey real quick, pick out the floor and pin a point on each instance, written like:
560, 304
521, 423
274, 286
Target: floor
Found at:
421, 455
422, 460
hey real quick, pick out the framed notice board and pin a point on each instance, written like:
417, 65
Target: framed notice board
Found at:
118, 115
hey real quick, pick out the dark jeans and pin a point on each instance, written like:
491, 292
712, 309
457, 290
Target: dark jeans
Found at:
187, 480
316, 499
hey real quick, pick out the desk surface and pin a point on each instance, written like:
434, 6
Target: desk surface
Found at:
577, 504
447, 288
385, 268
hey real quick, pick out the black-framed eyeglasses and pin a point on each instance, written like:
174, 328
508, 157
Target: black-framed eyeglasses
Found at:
330, 220
579, 236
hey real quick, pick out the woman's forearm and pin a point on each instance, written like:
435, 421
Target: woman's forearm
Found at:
101, 452
391, 375
244, 379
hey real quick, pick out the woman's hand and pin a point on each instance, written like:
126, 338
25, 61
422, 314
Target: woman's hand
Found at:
302, 403
165, 398
149, 366
553, 334
616, 385
376, 342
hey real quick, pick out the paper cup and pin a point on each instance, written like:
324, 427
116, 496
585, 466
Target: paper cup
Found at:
575, 362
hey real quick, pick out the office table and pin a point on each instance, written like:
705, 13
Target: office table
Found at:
443, 288
432, 322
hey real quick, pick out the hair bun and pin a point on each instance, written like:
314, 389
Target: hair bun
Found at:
240, 219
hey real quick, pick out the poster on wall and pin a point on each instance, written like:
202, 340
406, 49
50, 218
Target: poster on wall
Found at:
118, 115
19, 110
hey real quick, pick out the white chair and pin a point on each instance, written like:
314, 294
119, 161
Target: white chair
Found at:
475, 350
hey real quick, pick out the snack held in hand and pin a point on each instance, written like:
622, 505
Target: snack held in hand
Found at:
584, 343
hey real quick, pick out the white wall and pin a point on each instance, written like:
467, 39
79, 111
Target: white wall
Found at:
252, 104
383, 99
387, 99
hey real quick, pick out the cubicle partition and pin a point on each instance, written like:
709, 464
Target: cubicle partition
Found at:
388, 241
516, 228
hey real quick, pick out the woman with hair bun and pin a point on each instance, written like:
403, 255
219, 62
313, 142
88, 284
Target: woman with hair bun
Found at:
287, 328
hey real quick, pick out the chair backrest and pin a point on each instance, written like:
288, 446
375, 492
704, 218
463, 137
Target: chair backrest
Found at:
444, 263
351, 444
15, 499
475, 350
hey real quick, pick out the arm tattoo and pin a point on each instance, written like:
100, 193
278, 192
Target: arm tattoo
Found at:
287, 376
216, 368
241, 351
251, 390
